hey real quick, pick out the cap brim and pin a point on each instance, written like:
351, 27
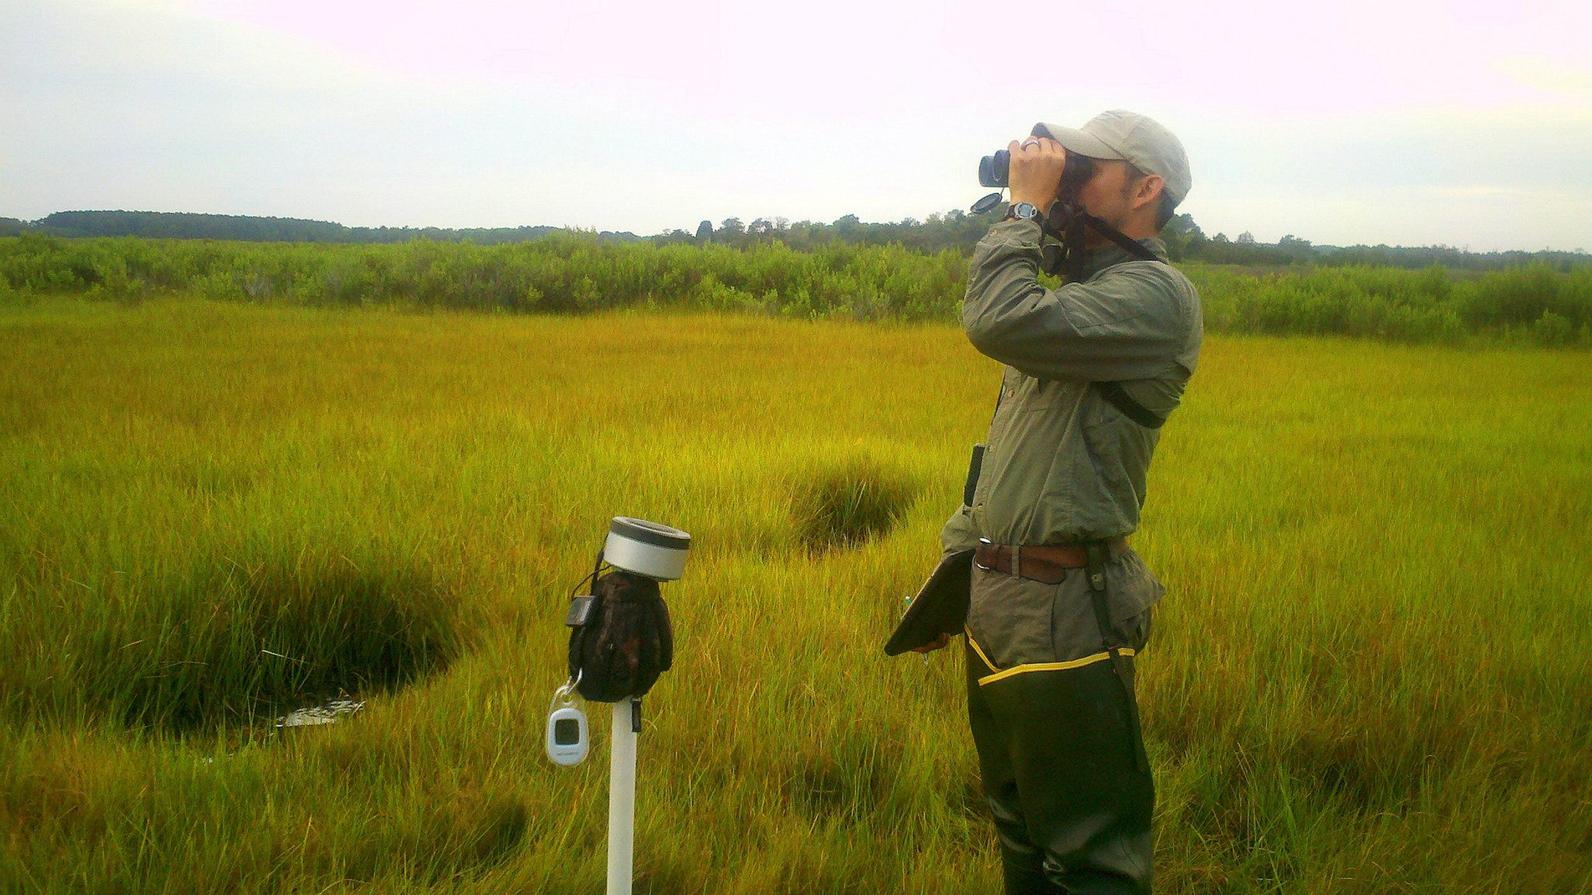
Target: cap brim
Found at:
1076, 140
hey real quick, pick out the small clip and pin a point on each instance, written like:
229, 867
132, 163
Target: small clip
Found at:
566, 691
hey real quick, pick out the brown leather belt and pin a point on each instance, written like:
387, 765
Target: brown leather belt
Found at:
1045, 564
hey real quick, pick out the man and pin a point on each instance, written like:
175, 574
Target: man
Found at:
1060, 605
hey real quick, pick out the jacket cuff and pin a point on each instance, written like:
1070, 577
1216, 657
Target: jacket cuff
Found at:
1017, 230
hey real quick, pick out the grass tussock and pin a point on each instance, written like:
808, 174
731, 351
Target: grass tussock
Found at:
850, 503
222, 640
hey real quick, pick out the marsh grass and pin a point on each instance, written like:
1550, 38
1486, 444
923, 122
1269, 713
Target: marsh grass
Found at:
1370, 674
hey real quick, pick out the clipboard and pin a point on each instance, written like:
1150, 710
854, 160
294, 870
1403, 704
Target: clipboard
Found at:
940, 606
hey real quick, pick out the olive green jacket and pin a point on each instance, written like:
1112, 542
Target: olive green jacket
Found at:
1061, 464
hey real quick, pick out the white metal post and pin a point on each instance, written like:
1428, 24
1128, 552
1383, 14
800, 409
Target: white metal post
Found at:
621, 798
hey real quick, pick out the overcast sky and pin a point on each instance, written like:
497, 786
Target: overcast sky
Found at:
1468, 124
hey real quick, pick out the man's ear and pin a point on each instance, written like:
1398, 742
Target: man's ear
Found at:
1148, 190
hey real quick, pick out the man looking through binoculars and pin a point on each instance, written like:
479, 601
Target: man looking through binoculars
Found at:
1059, 603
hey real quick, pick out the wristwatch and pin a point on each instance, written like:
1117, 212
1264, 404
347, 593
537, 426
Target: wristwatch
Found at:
1025, 210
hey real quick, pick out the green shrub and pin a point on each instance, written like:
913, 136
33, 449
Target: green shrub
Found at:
575, 274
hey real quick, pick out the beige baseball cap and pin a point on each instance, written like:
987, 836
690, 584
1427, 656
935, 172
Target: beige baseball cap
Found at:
1120, 134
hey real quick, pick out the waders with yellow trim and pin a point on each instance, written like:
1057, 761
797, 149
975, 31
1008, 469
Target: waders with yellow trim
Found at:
1061, 755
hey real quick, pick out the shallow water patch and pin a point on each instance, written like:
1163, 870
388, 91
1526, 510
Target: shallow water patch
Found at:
319, 715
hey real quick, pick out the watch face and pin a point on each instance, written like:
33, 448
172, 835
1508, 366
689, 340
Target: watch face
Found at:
1025, 210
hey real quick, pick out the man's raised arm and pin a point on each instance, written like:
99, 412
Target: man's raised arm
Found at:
1128, 323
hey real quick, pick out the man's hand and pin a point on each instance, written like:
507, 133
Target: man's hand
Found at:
1035, 172
939, 643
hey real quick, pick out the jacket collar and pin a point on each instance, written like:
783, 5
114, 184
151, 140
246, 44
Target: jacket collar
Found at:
1111, 254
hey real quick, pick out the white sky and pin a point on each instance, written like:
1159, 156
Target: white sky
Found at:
1410, 123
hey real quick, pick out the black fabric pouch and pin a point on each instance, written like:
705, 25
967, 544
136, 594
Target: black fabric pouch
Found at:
622, 640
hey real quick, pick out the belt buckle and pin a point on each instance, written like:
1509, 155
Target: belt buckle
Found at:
984, 542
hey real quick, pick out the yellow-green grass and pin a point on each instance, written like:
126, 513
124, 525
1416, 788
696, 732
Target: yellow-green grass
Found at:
1372, 672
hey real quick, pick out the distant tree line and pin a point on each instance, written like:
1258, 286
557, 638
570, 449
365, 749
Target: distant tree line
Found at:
1186, 241
248, 228
953, 230
959, 231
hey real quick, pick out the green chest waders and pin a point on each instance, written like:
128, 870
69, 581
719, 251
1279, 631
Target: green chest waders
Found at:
1060, 753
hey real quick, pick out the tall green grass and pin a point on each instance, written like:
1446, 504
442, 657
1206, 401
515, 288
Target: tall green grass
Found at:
1370, 673
1530, 305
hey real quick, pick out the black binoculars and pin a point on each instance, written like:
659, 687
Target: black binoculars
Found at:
994, 171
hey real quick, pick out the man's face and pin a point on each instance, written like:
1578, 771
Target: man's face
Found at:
1106, 195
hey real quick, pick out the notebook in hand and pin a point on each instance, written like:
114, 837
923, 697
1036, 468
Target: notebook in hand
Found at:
940, 606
